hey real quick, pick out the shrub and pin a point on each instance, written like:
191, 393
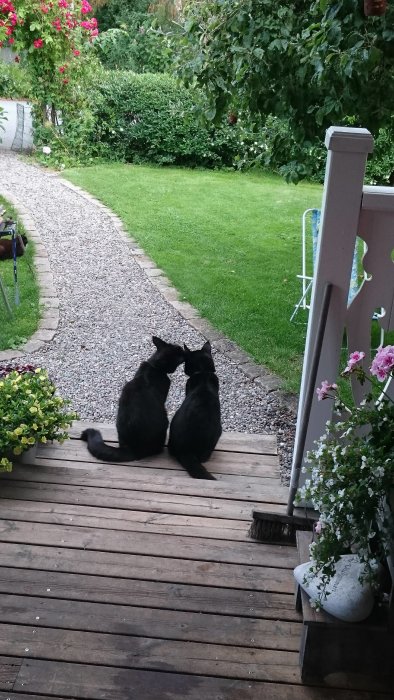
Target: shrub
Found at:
31, 411
150, 118
14, 81
380, 166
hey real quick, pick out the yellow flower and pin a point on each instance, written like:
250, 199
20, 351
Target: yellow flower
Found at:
31, 440
18, 431
17, 450
33, 409
43, 439
24, 441
35, 426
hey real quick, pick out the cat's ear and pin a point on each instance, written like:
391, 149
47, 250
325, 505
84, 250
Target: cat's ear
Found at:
186, 349
158, 342
207, 347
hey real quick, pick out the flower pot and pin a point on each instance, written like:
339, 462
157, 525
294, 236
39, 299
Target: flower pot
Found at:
26, 457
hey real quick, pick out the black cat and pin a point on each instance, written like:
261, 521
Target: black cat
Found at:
142, 420
196, 427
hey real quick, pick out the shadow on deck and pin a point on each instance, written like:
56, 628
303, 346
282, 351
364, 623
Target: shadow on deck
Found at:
137, 582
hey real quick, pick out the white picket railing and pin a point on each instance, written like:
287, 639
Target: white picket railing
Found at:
349, 210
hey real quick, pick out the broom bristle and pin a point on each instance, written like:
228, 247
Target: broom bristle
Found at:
277, 529
274, 532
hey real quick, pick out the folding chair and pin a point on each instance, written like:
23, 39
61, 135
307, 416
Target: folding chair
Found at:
310, 229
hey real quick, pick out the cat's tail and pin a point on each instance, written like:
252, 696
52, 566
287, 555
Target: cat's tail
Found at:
99, 449
194, 467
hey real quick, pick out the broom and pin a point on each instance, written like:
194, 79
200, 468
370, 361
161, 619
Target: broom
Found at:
275, 527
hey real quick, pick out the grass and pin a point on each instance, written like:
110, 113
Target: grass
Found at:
17, 330
229, 242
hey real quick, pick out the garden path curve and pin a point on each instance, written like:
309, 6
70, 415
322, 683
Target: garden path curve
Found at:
112, 300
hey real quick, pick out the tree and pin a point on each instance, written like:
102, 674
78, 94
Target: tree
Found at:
312, 63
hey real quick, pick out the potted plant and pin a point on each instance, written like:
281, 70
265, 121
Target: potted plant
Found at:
31, 412
351, 475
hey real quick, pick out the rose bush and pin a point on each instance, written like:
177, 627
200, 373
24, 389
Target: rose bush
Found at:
50, 38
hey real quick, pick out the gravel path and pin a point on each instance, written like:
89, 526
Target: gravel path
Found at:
109, 309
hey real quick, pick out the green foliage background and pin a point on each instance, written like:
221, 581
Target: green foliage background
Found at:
309, 64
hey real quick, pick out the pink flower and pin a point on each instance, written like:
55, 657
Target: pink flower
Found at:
65, 81
38, 43
89, 23
323, 391
11, 40
57, 24
86, 8
62, 69
44, 9
353, 360
62, 3
76, 52
319, 527
383, 363
17, 59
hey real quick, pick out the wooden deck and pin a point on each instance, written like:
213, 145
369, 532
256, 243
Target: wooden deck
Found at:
137, 582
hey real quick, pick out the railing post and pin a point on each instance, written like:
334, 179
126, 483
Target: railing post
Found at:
347, 155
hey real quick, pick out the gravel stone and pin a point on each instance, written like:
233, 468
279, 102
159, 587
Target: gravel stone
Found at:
109, 309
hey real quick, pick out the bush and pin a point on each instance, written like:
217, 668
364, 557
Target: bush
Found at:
14, 81
150, 118
380, 166
133, 37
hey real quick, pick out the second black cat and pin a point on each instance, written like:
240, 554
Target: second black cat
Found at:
196, 426
142, 420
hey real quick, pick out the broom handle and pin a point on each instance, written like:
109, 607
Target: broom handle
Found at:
309, 393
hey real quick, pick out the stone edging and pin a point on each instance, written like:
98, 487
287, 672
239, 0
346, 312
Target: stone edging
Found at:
48, 297
268, 381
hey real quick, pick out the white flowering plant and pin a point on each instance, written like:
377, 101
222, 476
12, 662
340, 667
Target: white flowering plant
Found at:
351, 474
31, 412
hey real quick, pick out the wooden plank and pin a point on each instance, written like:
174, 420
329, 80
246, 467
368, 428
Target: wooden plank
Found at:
150, 544
23, 696
268, 492
151, 594
106, 683
125, 520
177, 625
229, 463
145, 653
61, 469
135, 500
148, 568
9, 669
230, 441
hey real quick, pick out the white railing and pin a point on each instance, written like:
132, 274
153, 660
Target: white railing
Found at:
349, 210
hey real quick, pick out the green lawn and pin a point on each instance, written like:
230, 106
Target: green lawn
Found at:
230, 242
18, 329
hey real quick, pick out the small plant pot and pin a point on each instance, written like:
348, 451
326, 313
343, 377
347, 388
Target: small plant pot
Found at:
26, 457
